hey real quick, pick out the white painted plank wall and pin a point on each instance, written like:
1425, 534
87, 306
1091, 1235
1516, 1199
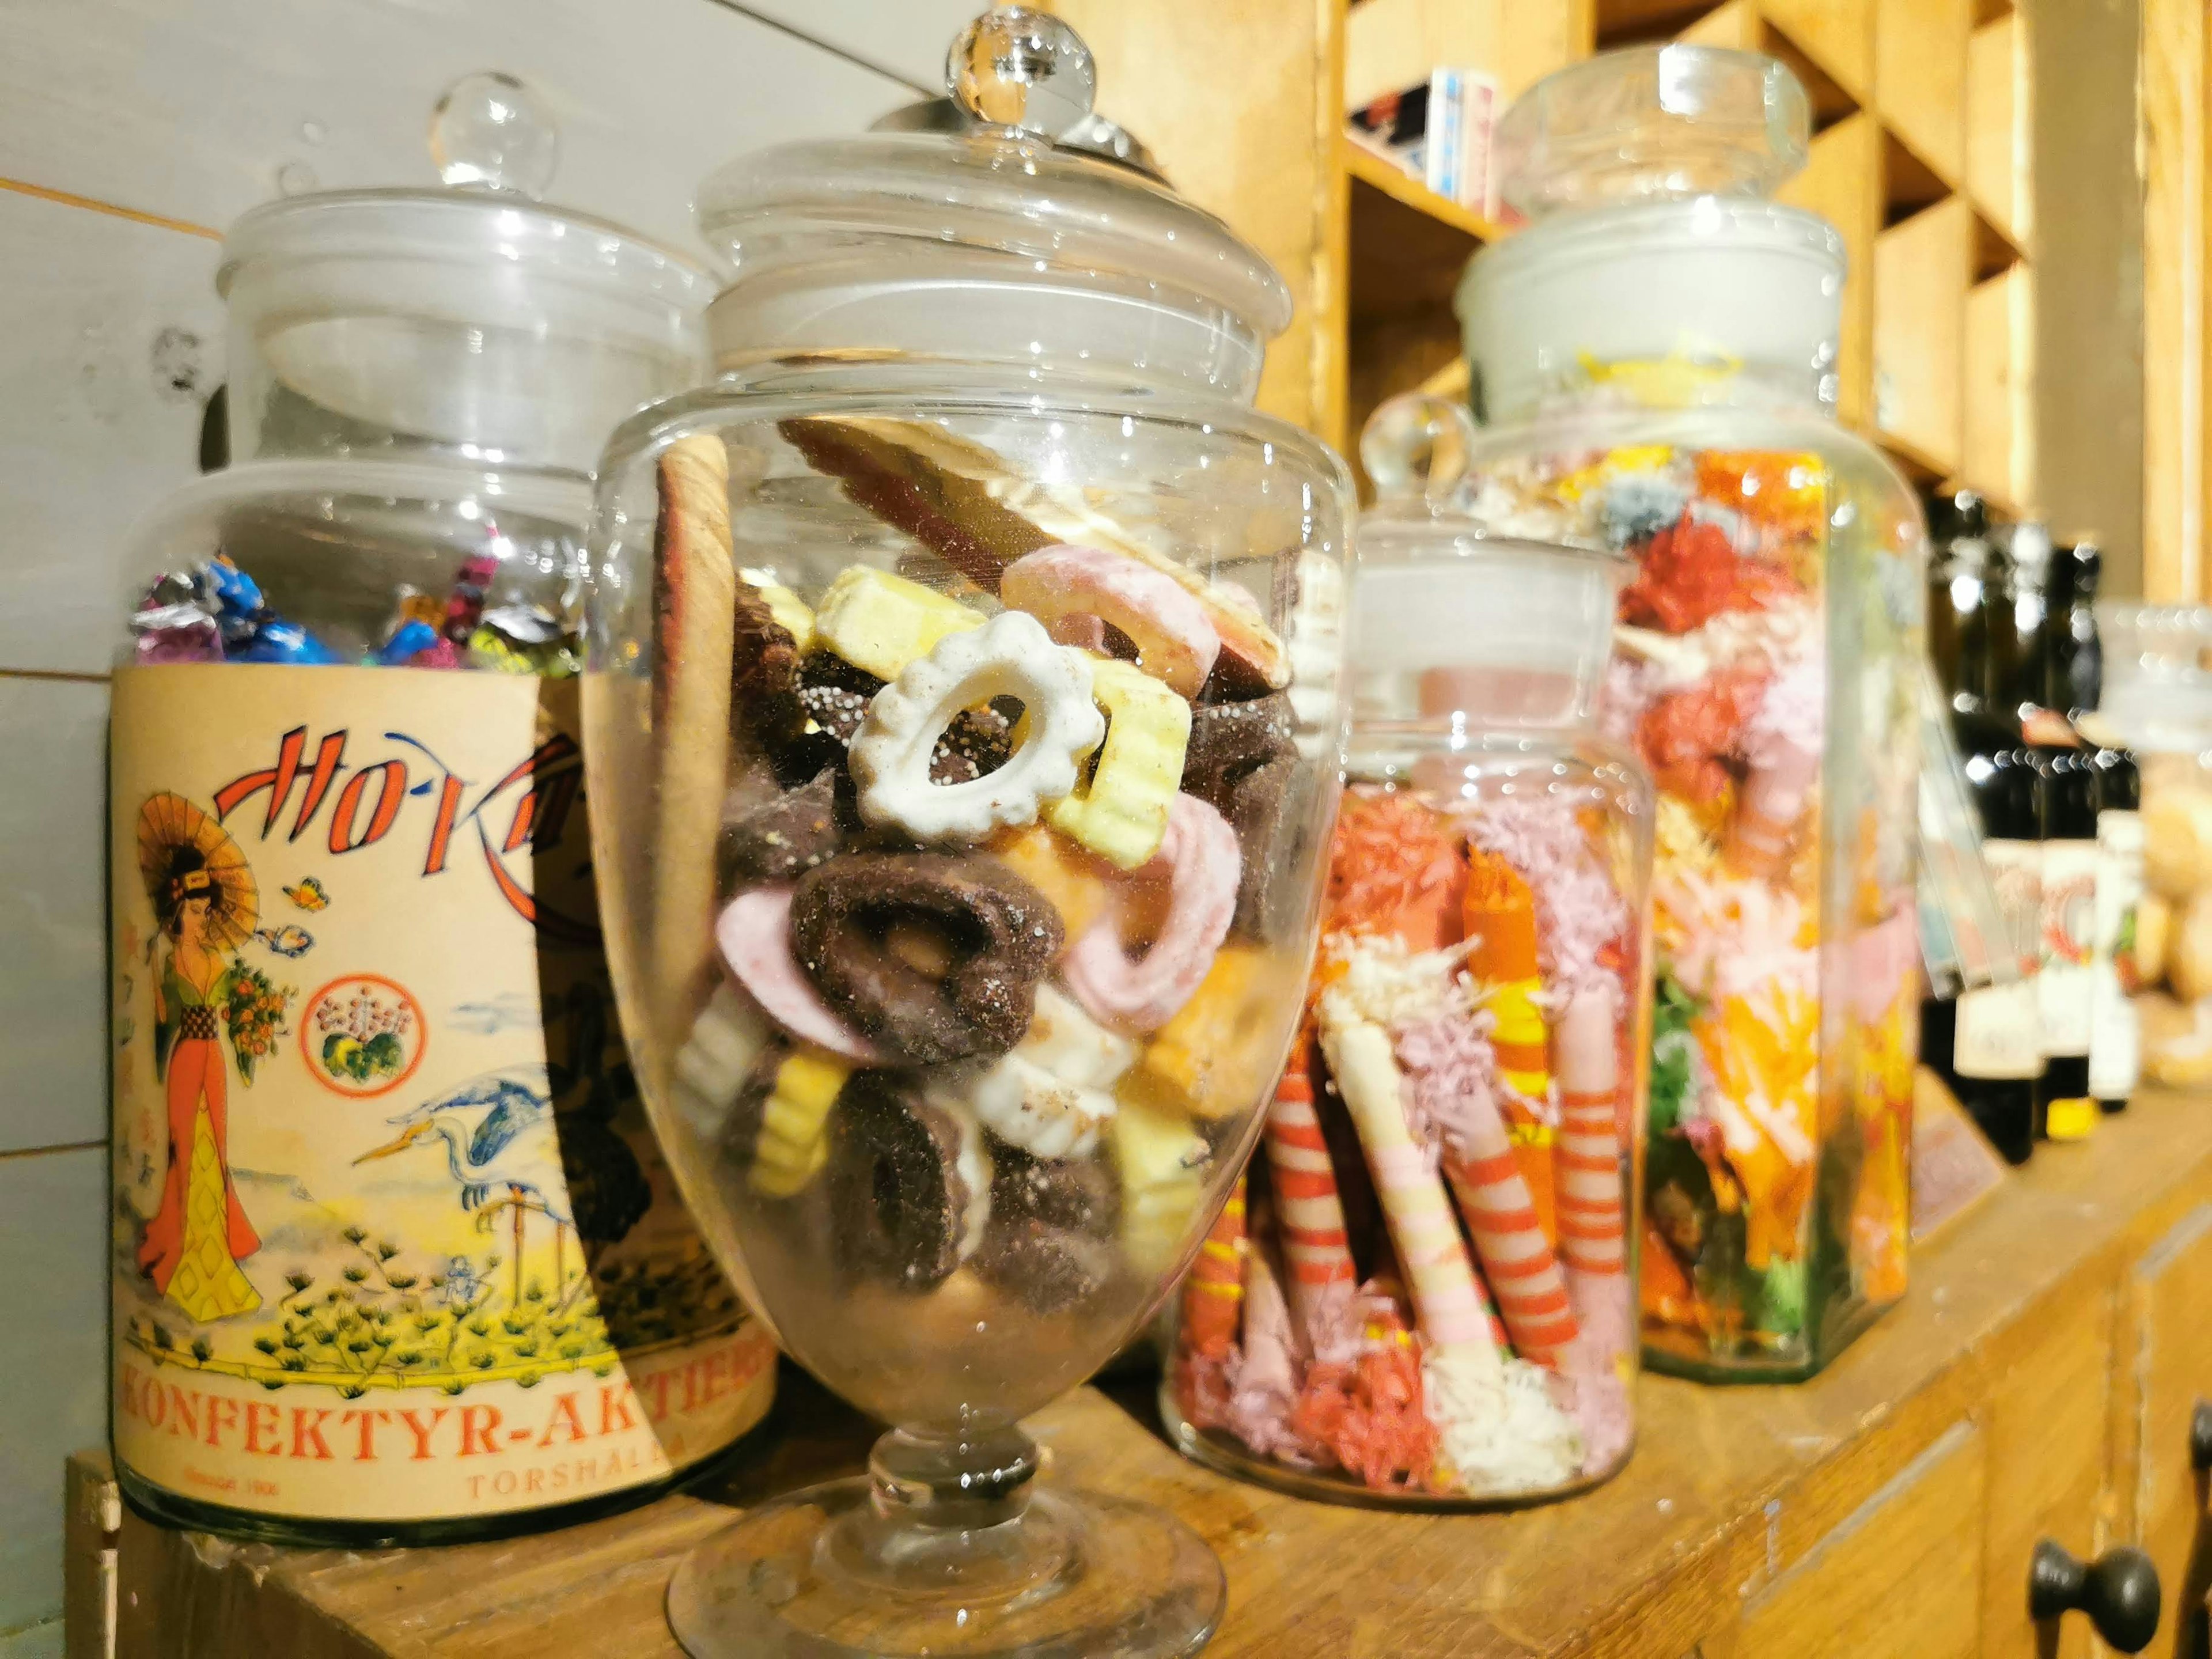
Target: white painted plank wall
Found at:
130, 132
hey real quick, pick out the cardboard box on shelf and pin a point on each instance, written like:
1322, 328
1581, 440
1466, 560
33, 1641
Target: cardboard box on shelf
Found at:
1439, 132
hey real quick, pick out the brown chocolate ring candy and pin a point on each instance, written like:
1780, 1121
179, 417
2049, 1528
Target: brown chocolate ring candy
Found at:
900, 1205
1048, 1269
1000, 935
1229, 740
781, 838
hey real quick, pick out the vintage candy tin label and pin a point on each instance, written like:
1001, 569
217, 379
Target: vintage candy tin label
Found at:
392, 1240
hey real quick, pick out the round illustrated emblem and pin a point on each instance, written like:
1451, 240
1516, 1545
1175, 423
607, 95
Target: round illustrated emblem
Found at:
362, 1035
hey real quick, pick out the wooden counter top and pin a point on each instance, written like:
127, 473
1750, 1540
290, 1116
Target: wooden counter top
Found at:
1732, 1495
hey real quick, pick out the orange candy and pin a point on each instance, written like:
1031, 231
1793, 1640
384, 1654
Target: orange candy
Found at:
1394, 867
1785, 492
1213, 1293
1664, 1288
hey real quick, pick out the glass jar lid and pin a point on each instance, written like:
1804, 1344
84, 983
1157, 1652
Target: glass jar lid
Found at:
1453, 620
1654, 246
1653, 124
994, 243
474, 319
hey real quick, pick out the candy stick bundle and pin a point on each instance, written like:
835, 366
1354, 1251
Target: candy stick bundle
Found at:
1467, 1019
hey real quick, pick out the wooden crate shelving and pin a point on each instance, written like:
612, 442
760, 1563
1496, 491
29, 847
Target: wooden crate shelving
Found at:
1920, 158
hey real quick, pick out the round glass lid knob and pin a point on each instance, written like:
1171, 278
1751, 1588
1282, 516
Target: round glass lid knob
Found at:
491, 132
1023, 71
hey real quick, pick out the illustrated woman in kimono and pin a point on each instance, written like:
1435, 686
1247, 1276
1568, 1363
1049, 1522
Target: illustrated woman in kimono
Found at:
204, 907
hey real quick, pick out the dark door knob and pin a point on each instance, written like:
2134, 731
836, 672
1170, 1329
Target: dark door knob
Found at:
2118, 1590
2200, 1436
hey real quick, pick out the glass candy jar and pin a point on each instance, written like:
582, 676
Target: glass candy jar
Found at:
963, 682
1655, 358
396, 1257
1424, 1294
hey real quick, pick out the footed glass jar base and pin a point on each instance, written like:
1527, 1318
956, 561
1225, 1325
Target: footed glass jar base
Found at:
825, 1574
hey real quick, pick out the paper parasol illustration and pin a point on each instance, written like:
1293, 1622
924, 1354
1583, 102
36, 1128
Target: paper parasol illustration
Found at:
176, 840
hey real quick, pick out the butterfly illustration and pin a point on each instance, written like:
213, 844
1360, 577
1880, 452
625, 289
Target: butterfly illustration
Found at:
308, 895
289, 940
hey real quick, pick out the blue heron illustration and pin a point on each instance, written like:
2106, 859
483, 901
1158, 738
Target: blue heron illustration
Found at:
498, 1132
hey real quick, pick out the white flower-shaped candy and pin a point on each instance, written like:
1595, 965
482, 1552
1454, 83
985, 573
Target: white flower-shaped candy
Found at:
1011, 656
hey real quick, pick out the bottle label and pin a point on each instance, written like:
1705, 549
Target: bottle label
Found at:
1998, 1034
2115, 1036
2064, 980
2016, 872
392, 1239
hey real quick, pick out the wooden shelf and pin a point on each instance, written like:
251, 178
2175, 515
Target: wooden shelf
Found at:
1836, 36
1408, 246
1750, 1520
1918, 158
1997, 135
1921, 272
1920, 78
1921, 465
1388, 180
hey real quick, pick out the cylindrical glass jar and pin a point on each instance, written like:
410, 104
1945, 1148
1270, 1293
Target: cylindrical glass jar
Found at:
1656, 362
964, 724
2155, 730
1424, 1294
396, 1257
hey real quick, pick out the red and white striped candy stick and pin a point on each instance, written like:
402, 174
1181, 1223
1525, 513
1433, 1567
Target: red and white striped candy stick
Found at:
1593, 1227
1317, 1256
1414, 1208
1509, 1238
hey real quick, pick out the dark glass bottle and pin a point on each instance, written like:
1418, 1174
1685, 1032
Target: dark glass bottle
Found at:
2021, 658
2077, 674
1984, 1045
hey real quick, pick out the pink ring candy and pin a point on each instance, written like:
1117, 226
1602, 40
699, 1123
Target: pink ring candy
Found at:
753, 933
1177, 642
1204, 863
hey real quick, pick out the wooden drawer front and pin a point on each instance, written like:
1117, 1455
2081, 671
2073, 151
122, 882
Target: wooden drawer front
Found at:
2169, 1356
1899, 1578
2048, 1416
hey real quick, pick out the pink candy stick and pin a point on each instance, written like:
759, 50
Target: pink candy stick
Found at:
753, 933
1316, 1253
1203, 863
1265, 1379
1593, 1229
1501, 1216
1419, 1217
1176, 640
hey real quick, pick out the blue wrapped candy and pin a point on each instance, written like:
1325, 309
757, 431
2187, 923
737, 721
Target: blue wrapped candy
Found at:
275, 640
409, 640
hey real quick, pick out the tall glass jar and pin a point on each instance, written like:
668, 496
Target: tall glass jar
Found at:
1424, 1293
1654, 357
396, 1257
963, 708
